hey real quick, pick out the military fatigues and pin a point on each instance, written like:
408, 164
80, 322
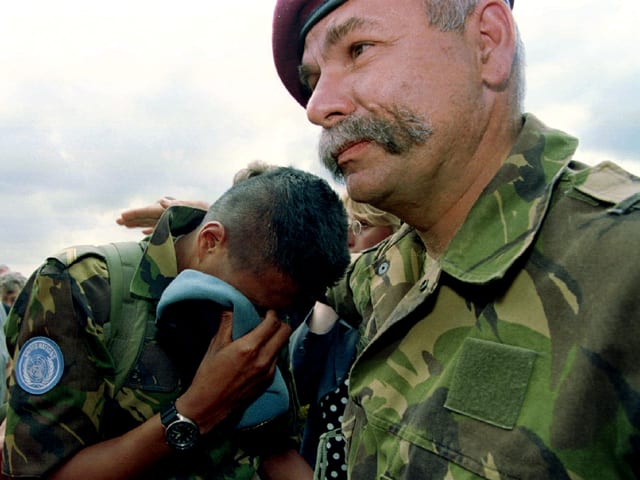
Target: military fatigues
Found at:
70, 305
516, 354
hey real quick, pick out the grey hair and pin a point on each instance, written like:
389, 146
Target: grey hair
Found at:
451, 16
11, 282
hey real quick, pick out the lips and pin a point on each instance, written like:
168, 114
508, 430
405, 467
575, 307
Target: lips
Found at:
349, 149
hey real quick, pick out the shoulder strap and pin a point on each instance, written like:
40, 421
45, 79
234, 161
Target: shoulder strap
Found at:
127, 318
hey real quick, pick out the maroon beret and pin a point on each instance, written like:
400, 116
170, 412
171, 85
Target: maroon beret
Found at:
292, 20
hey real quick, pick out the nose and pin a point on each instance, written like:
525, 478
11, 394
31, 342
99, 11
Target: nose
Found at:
330, 102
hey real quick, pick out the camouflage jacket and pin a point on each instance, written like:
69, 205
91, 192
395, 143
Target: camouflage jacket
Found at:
516, 354
68, 304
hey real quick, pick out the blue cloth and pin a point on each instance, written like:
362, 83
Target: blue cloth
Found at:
195, 285
320, 365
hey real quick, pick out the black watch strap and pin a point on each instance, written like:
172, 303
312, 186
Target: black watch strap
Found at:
181, 433
168, 414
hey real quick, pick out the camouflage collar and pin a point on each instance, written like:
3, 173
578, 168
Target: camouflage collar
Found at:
519, 195
158, 265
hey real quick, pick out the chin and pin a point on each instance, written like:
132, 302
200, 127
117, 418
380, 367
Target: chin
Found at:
361, 189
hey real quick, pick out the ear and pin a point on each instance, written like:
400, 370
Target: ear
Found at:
211, 237
497, 42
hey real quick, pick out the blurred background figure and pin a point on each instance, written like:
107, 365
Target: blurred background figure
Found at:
3, 314
10, 285
368, 225
253, 169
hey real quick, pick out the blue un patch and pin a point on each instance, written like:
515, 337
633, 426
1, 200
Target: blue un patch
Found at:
39, 366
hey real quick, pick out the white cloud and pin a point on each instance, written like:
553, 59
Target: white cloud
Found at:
109, 105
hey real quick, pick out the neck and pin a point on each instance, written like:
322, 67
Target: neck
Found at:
448, 206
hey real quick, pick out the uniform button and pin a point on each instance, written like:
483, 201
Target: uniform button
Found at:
383, 268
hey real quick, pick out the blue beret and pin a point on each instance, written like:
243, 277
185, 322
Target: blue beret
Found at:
192, 285
292, 20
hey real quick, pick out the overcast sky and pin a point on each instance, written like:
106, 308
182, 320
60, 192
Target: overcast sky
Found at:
109, 105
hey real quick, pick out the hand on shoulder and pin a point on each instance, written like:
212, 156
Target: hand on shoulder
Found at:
147, 217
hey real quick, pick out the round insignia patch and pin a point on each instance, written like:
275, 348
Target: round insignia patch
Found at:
39, 366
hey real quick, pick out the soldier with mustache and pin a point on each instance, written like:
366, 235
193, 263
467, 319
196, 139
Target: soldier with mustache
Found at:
500, 325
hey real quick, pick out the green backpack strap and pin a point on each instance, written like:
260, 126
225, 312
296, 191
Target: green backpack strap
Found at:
129, 316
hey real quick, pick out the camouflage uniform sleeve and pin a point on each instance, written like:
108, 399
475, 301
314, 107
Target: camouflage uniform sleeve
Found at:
66, 307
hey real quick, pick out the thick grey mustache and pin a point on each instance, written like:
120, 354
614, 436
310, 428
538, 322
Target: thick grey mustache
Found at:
404, 131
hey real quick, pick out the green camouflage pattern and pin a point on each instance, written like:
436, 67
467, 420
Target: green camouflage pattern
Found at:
515, 355
68, 300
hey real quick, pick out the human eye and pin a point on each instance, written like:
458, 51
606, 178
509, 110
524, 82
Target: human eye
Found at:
308, 78
359, 48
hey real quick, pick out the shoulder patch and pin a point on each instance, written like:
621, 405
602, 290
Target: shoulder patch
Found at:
39, 366
607, 182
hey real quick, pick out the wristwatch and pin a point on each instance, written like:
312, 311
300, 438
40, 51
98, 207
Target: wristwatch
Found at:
181, 433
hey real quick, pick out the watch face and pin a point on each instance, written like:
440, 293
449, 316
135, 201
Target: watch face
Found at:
182, 435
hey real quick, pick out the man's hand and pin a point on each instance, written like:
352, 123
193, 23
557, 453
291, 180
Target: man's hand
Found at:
147, 217
232, 373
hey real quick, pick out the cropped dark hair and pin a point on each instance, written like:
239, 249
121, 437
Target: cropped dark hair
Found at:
287, 219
